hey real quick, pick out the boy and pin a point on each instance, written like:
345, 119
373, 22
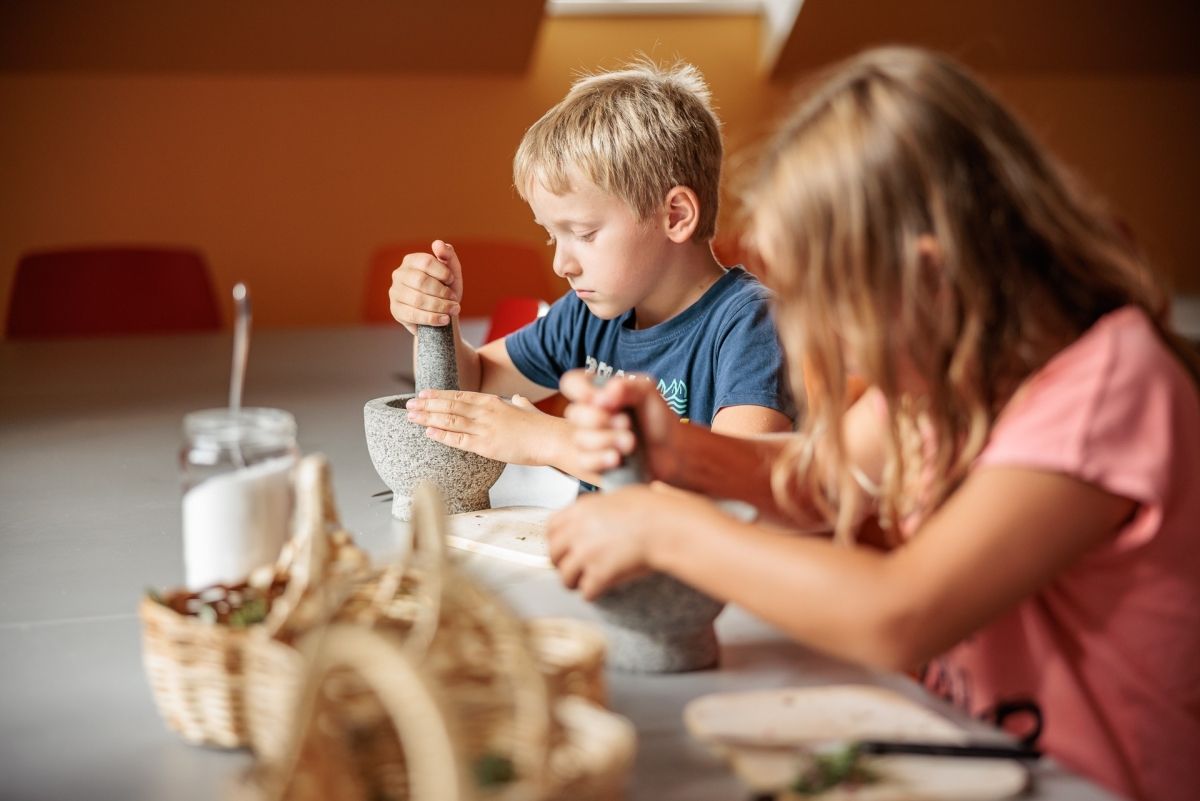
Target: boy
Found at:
623, 174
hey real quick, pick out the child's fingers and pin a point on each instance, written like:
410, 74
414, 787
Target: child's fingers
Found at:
415, 283
587, 416
425, 264
445, 253
557, 540
624, 392
409, 315
570, 568
448, 400
577, 386
426, 284
600, 439
456, 423
403, 297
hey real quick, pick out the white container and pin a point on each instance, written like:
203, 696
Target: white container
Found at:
236, 491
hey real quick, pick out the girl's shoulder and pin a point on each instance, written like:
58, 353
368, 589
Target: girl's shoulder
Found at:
1115, 408
1111, 368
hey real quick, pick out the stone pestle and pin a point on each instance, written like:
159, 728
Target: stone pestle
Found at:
655, 623
437, 359
404, 456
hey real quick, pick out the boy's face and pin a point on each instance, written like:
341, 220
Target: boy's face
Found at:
600, 247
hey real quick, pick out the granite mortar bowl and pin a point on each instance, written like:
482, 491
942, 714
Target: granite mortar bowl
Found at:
658, 624
404, 457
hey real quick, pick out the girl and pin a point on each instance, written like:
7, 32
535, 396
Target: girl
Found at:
1020, 486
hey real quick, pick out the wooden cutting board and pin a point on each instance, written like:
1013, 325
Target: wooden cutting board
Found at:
846, 712
511, 533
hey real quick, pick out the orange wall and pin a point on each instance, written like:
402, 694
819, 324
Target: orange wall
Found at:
288, 182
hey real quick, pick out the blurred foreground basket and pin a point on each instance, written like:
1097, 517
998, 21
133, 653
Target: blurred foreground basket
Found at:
467, 714
357, 676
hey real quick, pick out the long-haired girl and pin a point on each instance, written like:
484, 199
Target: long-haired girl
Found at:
1015, 500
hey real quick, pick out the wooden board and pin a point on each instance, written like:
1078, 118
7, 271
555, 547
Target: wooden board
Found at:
817, 715
511, 533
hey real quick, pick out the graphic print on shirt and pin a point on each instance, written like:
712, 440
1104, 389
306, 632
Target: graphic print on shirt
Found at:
674, 392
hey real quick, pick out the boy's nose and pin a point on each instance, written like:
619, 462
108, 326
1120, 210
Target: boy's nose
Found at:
564, 265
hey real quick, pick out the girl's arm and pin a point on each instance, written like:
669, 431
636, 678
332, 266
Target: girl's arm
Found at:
694, 458
1001, 536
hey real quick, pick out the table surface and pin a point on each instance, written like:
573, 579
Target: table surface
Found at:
90, 517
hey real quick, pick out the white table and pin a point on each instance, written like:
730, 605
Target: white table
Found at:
89, 517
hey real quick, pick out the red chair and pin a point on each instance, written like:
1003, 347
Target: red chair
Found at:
492, 270
111, 290
513, 313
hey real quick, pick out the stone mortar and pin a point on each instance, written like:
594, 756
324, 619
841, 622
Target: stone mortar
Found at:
404, 457
658, 624
402, 454
655, 624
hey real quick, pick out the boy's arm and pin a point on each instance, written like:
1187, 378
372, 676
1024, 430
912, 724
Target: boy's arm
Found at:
490, 369
748, 421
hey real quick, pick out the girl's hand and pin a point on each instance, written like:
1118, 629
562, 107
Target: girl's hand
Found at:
601, 540
516, 432
427, 288
602, 428
605, 539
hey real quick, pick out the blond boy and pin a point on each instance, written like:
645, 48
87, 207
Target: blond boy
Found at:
623, 174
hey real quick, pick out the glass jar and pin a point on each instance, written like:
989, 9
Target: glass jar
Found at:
235, 470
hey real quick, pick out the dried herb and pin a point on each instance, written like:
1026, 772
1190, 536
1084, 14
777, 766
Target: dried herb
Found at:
841, 768
238, 606
252, 610
493, 770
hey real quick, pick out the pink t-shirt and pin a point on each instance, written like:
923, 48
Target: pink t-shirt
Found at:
1110, 649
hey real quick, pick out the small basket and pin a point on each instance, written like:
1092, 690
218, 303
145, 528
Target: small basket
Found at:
197, 674
200, 671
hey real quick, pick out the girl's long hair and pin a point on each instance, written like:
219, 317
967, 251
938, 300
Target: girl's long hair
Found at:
917, 235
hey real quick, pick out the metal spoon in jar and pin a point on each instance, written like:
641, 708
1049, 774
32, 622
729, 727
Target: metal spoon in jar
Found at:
241, 348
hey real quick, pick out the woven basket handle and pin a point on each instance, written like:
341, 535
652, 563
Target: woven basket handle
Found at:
412, 702
515, 656
311, 595
427, 558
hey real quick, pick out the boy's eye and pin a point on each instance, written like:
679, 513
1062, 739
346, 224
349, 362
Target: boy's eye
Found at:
550, 240
588, 237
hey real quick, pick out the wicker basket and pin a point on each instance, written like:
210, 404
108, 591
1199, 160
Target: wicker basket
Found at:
476, 690
199, 672
196, 672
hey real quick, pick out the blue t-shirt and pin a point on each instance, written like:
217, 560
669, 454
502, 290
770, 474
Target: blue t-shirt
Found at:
721, 351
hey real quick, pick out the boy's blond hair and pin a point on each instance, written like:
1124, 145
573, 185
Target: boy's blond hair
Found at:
635, 133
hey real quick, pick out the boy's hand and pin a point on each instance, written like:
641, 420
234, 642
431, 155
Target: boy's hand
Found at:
516, 432
602, 434
427, 288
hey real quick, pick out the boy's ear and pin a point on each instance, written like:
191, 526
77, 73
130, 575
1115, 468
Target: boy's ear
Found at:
682, 214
